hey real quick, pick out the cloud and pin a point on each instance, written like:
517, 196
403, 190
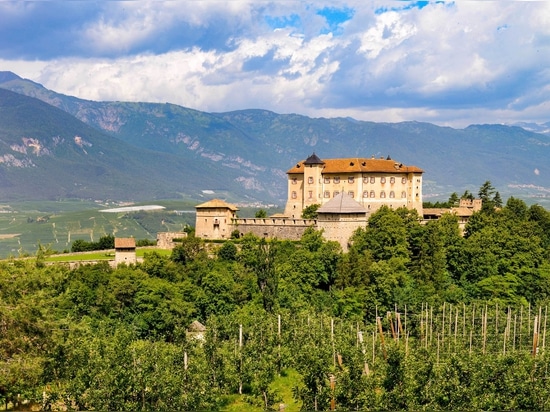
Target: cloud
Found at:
449, 63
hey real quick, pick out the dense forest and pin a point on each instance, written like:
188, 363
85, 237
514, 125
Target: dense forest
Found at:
413, 316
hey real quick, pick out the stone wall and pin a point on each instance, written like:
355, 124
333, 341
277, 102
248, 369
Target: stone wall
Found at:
165, 240
280, 228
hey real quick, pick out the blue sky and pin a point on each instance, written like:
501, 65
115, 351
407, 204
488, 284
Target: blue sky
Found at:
449, 63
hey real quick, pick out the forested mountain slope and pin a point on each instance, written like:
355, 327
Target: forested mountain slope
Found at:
249, 151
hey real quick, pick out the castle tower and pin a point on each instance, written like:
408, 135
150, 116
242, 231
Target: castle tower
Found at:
215, 219
304, 187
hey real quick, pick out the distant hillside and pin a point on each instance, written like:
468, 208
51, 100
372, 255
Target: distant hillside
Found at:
46, 153
248, 152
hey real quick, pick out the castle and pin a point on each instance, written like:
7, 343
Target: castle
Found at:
370, 182
347, 190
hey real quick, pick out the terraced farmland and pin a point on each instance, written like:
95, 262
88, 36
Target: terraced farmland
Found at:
57, 224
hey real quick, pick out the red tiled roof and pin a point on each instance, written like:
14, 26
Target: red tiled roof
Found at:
358, 165
125, 242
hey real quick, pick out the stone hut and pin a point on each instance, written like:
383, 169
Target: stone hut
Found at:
125, 250
196, 330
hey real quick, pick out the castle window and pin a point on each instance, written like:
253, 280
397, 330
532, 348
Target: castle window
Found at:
336, 193
351, 179
294, 180
382, 194
365, 180
404, 180
310, 194
327, 180
392, 180
336, 180
372, 194
392, 194
382, 180
373, 180
310, 180
351, 193
327, 193
366, 193
403, 194
294, 195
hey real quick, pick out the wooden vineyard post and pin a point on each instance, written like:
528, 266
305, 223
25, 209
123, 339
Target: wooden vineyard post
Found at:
332, 388
442, 326
392, 328
399, 325
431, 325
381, 332
544, 329
515, 324
473, 326
240, 358
484, 329
332, 341
456, 326
279, 344
422, 337
406, 332
535, 336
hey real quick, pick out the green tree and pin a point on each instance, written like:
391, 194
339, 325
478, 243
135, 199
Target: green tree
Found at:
188, 250
453, 200
228, 251
486, 193
310, 212
106, 242
260, 214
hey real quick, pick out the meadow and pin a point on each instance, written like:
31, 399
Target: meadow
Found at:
56, 224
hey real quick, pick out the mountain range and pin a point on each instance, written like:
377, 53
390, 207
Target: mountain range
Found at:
56, 146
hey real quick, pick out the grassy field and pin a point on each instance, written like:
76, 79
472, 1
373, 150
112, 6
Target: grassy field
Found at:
23, 226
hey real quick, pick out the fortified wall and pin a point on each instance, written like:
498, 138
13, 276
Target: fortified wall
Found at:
165, 240
273, 227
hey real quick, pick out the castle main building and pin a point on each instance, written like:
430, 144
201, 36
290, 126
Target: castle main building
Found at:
370, 182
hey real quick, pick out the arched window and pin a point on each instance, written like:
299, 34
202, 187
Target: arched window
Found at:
310, 180
382, 180
382, 194
392, 194
294, 195
403, 180
336, 180
366, 193
372, 180
372, 194
351, 179
327, 193
403, 194
392, 180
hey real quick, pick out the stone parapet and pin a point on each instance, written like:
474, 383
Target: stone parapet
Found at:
280, 228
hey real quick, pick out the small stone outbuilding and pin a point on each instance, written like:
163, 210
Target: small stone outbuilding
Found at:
125, 250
